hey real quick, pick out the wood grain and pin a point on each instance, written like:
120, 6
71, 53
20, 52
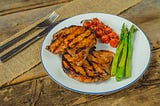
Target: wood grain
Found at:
35, 92
41, 90
13, 6
13, 23
19, 67
142, 22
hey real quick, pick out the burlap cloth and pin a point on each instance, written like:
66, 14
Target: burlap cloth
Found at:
30, 57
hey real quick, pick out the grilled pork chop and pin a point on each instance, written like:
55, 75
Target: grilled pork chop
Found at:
76, 40
95, 68
63, 37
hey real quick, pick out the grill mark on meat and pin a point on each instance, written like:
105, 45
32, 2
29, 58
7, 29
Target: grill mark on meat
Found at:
74, 34
76, 69
97, 68
81, 33
94, 55
90, 63
70, 66
58, 34
100, 61
91, 50
79, 38
80, 49
63, 44
104, 70
76, 43
86, 43
85, 70
94, 62
58, 41
65, 30
91, 70
66, 68
80, 60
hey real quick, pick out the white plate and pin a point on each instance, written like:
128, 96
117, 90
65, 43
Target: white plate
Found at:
140, 58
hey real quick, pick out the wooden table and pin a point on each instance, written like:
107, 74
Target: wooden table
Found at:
36, 88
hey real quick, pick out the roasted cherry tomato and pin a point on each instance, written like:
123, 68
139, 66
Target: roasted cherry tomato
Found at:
107, 30
95, 21
102, 31
105, 39
113, 35
114, 43
86, 23
99, 32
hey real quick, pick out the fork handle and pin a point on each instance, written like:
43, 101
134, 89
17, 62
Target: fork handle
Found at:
13, 41
18, 49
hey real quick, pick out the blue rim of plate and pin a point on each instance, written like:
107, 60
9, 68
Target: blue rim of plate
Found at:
107, 92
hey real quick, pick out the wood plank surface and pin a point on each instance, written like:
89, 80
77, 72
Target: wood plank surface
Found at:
13, 23
13, 6
140, 20
41, 90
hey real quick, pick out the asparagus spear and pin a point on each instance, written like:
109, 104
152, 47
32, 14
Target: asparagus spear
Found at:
121, 65
122, 32
128, 62
118, 52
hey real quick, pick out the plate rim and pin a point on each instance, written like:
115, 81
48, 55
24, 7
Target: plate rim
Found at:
106, 92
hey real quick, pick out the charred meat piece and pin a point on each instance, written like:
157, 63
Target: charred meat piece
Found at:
95, 68
80, 50
63, 37
75, 40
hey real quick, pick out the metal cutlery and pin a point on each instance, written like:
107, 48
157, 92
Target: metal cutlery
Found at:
43, 24
19, 48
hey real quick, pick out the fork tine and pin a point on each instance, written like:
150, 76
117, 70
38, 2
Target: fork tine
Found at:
53, 16
43, 24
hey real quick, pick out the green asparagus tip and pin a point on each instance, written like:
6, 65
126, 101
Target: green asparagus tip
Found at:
123, 26
133, 29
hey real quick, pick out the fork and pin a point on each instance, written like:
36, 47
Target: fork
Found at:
43, 24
